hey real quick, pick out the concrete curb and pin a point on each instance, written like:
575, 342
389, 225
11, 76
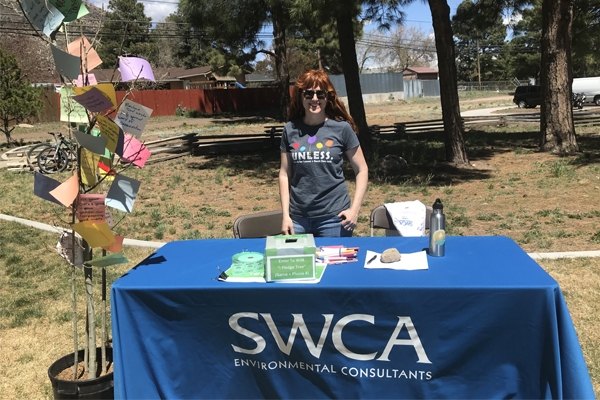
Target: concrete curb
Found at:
567, 254
55, 229
156, 245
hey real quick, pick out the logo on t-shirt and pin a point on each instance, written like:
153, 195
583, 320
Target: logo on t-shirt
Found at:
312, 151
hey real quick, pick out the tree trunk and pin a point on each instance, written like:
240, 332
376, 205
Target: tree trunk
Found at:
453, 130
6, 129
281, 64
344, 19
556, 116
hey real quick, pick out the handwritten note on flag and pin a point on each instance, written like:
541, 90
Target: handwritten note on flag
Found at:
89, 167
110, 131
94, 100
106, 88
91, 207
132, 117
43, 16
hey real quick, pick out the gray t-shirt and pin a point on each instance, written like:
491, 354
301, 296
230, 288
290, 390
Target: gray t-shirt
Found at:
317, 185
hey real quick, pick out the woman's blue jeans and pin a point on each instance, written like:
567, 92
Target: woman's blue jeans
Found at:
321, 227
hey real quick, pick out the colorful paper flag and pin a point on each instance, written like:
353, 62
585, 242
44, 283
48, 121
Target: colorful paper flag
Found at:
135, 152
67, 192
97, 234
133, 68
122, 193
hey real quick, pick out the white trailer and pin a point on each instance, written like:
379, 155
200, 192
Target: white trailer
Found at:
588, 86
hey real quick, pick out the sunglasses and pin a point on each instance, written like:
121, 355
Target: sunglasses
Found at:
309, 94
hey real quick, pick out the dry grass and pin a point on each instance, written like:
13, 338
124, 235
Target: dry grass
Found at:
544, 202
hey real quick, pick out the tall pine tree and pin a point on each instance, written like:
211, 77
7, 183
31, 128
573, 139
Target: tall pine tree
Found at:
126, 32
18, 99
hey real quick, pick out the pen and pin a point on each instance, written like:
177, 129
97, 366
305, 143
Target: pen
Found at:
372, 259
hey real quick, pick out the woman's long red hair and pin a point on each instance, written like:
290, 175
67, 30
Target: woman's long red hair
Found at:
334, 109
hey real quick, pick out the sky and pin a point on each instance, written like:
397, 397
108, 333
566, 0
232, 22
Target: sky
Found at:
417, 14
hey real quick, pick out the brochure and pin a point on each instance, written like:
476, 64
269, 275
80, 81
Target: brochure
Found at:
249, 267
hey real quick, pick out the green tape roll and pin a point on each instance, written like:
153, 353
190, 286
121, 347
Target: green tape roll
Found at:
248, 257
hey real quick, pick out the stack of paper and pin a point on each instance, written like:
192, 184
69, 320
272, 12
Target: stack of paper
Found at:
337, 254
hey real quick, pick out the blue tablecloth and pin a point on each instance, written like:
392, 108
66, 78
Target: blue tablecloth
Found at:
485, 321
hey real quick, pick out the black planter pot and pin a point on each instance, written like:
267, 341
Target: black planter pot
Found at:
97, 388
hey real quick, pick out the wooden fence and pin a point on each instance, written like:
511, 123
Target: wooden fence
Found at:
196, 144
167, 102
199, 144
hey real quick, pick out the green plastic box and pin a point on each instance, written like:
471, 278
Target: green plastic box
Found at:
290, 257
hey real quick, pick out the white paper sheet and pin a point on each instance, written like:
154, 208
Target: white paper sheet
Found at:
408, 261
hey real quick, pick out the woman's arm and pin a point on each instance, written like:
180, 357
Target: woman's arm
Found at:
285, 170
361, 171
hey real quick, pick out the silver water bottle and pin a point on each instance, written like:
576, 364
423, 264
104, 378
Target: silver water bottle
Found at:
437, 230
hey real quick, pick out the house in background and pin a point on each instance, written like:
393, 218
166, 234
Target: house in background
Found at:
174, 78
420, 73
259, 80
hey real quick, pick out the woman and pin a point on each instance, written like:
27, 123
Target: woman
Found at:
313, 191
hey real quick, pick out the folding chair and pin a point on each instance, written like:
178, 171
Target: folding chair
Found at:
381, 219
257, 225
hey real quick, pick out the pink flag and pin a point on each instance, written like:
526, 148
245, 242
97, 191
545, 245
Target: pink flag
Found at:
135, 151
133, 68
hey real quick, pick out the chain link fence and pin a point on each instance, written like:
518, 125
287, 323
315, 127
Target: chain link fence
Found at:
492, 86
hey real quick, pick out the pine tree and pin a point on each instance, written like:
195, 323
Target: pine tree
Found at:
126, 31
18, 99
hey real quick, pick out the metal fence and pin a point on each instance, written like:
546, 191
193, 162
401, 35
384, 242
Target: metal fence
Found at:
492, 86
388, 82
421, 88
